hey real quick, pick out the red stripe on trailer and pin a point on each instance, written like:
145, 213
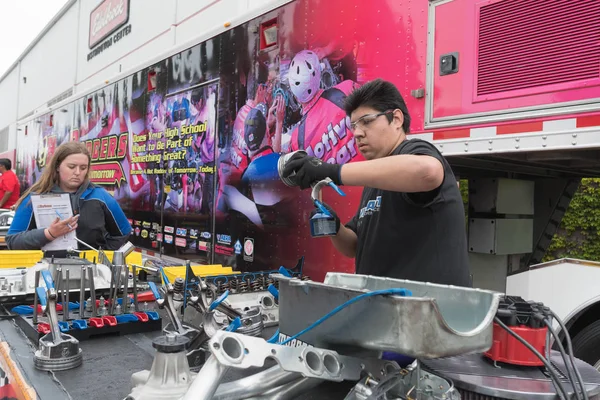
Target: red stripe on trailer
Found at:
452, 134
520, 128
592, 120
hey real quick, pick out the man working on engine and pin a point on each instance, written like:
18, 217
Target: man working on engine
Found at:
410, 223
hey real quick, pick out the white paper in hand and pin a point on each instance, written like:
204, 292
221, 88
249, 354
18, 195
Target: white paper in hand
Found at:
48, 207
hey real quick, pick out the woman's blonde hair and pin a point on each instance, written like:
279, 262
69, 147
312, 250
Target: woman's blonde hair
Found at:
50, 176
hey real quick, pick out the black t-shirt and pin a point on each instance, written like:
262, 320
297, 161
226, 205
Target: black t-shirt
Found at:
415, 236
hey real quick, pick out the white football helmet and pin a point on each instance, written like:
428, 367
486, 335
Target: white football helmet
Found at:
304, 75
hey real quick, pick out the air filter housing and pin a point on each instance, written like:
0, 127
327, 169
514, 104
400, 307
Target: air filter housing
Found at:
476, 378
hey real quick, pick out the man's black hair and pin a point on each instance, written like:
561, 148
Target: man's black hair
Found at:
6, 163
380, 95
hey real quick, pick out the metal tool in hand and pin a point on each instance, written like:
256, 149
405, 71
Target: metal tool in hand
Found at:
322, 223
57, 351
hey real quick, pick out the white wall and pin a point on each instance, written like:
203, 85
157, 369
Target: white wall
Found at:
8, 97
50, 66
12, 136
150, 36
197, 16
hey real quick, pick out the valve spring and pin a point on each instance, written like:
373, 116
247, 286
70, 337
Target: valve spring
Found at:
243, 287
179, 285
224, 287
233, 285
256, 286
220, 289
263, 281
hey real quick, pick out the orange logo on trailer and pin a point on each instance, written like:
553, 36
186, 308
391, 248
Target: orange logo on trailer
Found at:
107, 153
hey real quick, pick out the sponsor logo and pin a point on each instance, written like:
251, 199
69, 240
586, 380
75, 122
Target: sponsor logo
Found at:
248, 249
202, 246
146, 225
159, 237
206, 235
237, 247
169, 229
224, 239
194, 233
371, 208
137, 231
169, 239
181, 242
144, 234
227, 251
181, 232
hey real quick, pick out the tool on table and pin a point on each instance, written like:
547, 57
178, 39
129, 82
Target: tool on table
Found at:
57, 351
112, 285
168, 304
120, 273
82, 290
202, 305
136, 307
66, 296
195, 353
92, 292
125, 297
35, 297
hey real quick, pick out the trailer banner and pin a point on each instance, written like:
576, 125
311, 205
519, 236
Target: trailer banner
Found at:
189, 145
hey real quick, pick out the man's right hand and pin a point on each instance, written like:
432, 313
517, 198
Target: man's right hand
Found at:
309, 170
61, 227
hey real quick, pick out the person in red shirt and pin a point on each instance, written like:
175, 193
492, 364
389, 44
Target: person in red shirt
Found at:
10, 189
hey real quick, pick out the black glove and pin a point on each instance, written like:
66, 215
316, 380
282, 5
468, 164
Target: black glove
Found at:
311, 170
333, 214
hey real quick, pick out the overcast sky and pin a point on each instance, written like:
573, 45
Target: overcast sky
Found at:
20, 22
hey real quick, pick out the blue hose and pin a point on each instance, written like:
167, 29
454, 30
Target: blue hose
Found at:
400, 292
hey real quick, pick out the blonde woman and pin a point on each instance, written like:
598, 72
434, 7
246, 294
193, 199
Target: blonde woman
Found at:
98, 220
